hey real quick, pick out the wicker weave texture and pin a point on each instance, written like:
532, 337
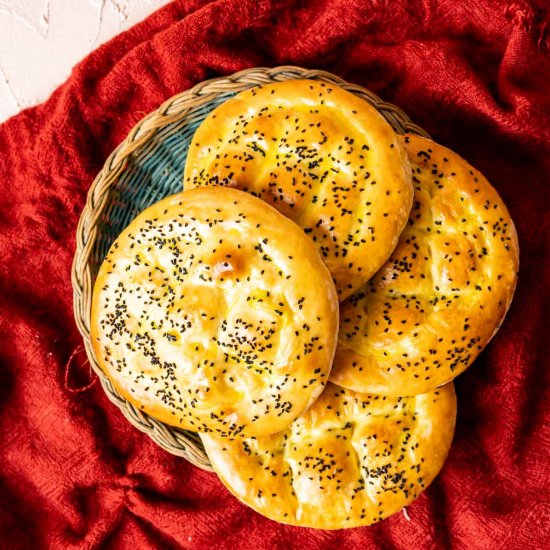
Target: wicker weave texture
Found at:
147, 167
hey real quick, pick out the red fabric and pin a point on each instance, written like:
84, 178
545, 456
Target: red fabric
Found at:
73, 472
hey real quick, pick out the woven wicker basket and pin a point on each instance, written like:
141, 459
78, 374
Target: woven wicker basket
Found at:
148, 166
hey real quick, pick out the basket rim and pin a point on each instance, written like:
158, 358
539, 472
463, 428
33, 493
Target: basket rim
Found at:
175, 440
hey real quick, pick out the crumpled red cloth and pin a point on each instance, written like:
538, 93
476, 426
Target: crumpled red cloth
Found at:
73, 472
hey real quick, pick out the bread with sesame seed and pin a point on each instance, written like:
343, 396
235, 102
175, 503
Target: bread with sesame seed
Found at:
351, 460
213, 312
428, 313
323, 157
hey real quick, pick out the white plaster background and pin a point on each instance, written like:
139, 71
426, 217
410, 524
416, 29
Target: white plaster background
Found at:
41, 40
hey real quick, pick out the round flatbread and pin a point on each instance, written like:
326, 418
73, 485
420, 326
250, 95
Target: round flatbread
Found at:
352, 459
426, 315
213, 312
320, 155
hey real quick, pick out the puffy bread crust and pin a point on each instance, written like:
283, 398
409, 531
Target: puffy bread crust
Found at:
352, 459
427, 314
320, 155
212, 311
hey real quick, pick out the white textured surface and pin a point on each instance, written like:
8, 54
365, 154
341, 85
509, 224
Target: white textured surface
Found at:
41, 40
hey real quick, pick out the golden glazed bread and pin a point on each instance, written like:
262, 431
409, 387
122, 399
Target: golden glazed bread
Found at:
320, 155
352, 459
426, 315
213, 312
